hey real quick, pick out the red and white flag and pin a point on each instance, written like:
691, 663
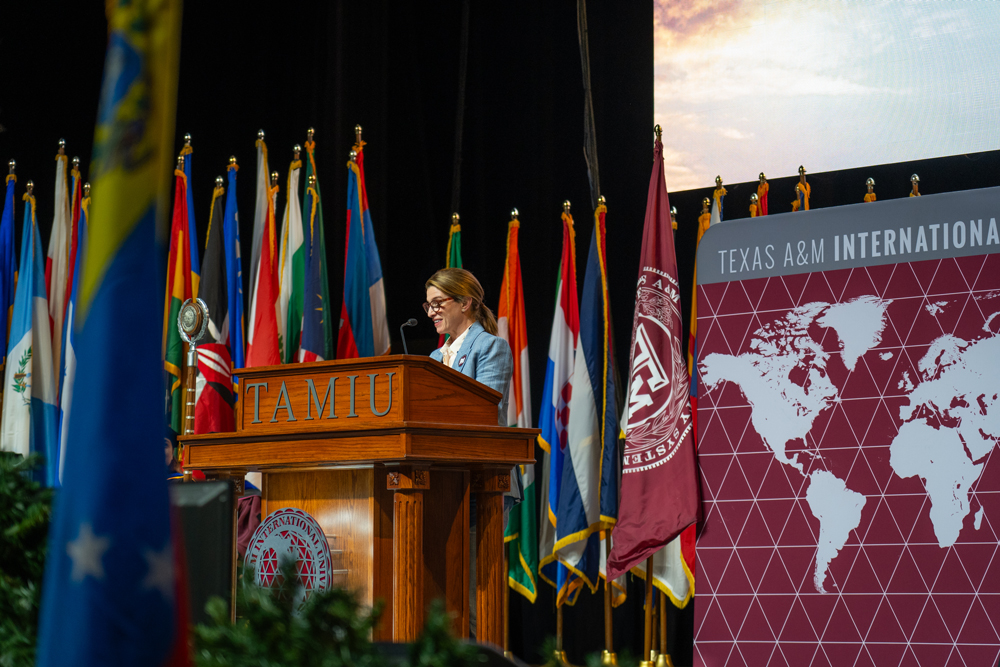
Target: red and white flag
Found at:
57, 258
659, 493
263, 348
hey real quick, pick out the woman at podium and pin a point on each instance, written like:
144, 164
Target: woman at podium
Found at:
455, 305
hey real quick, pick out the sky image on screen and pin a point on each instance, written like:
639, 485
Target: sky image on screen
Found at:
744, 86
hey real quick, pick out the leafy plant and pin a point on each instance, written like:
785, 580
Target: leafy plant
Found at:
437, 647
329, 629
25, 511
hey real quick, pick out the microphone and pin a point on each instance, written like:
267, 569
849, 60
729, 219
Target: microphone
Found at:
412, 322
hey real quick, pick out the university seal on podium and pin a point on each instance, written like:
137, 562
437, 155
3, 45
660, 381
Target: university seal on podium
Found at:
290, 534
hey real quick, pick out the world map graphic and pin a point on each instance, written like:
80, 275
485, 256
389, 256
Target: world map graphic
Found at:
847, 422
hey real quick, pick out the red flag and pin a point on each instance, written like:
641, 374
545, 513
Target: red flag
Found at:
659, 493
262, 343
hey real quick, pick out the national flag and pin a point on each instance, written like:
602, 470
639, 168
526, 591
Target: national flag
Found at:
312, 210
316, 310
8, 268
179, 289
521, 534
29, 387
364, 330
261, 208
659, 491
186, 153
762, 189
234, 272
453, 256
554, 418
263, 345
214, 398
57, 259
76, 199
588, 494
67, 371
111, 595
293, 271
716, 209
718, 196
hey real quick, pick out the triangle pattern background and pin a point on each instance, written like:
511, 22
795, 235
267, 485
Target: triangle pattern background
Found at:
892, 594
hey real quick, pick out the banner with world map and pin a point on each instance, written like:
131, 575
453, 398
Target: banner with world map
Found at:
849, 373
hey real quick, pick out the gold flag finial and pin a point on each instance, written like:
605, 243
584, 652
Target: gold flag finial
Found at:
357, 134
232, 159
566, 206
260, 135
296, 150
11, 166
601, 201
454, 218
86, 189
218, 181
30, 186
180, 162
76, 163
62, 147
187, 140
274, 178
659, 133
309, 134
353, 156
513, 213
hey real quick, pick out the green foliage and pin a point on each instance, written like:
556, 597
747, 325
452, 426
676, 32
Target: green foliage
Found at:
25, 510
330, 629
437, 647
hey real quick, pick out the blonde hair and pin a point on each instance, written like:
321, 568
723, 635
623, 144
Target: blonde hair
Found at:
462, 286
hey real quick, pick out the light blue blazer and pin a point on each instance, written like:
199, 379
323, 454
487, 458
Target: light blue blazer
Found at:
487, 359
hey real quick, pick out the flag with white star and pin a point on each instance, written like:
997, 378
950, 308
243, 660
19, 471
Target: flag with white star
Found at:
110, 595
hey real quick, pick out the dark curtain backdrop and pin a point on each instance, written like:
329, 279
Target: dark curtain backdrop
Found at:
393, 68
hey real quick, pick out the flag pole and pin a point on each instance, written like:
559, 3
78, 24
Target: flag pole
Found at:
647, 643
506, 605
608, 657
663, 659
654, 644
560, 654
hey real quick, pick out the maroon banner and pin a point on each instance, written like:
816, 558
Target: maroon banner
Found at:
659, 496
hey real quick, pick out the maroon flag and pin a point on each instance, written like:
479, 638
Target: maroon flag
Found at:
659, 496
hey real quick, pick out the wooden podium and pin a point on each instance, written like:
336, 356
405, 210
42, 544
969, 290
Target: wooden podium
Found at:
383, 452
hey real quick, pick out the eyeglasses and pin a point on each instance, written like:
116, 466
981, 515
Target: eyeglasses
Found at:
436, 305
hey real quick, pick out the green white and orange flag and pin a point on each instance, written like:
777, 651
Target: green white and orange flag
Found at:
521, 534
179, 289
292, 269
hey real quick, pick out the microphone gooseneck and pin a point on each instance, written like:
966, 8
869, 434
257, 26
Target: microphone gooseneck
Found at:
412, 322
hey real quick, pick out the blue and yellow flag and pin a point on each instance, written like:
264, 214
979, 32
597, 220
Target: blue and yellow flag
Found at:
110, 595
8, 267
234, 271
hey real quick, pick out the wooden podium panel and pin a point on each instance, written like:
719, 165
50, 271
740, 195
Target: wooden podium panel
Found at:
385, 453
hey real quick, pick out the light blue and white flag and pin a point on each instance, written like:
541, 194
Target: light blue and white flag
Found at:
29, 406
